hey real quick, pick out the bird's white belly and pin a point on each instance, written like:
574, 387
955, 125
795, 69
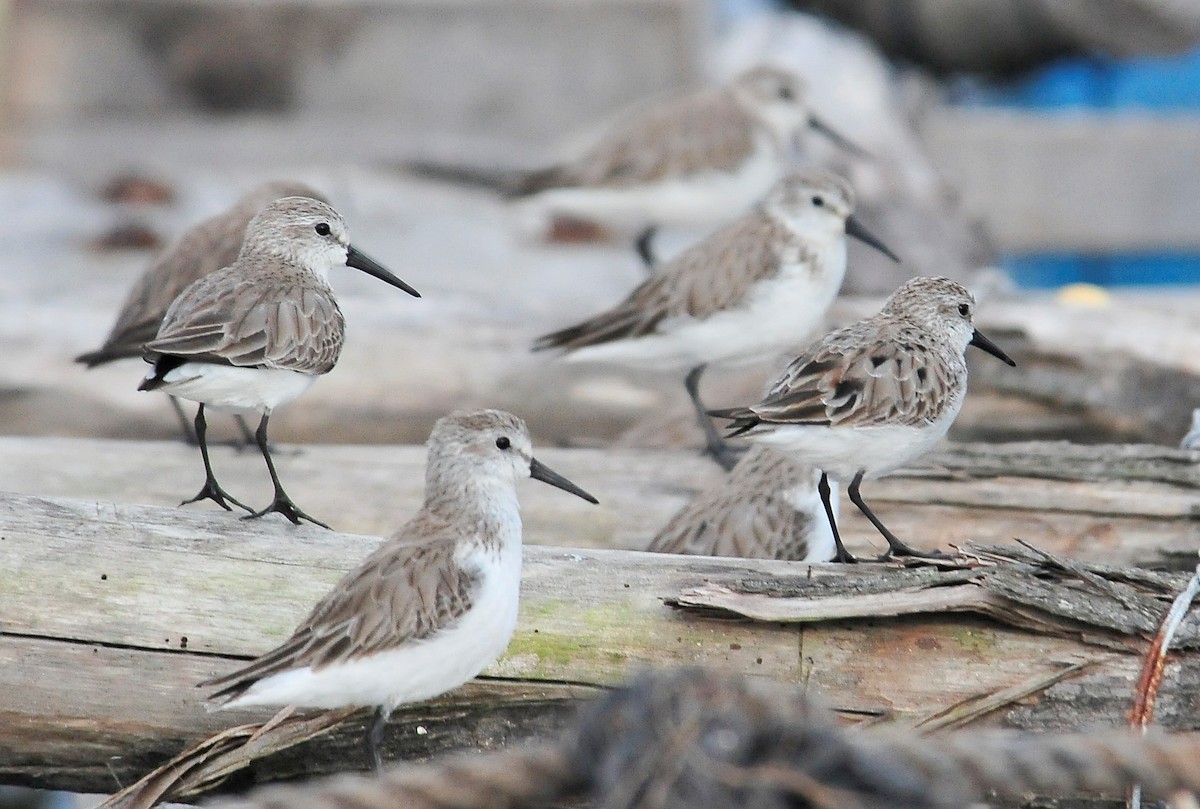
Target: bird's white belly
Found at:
708, 197
235, 390
416, 671
843, 451
779, 314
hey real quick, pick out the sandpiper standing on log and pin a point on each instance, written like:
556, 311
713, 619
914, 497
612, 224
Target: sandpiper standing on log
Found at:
754, 288
205, 248
701, 158
433, 606
767, 508
866, 399
256, 334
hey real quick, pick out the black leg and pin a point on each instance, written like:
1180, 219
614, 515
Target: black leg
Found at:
644, 243
185, 426
895, 546
244, 429
842, 555
211, 490
375, 738
714, 445
281, 503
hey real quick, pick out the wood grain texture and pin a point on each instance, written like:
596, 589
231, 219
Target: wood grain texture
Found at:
1111, 503
111, 614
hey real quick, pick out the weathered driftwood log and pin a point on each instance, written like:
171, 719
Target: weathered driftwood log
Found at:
112, 612
1115, 504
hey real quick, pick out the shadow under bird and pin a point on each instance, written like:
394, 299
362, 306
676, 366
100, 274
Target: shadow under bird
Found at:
433, 606
752, 289
202, 249
256, 334
768, 507
867, 399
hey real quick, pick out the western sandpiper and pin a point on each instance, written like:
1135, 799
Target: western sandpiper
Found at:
433, 606
871, 397
257, 334
205, 248
754, 288
698, 159
767, 508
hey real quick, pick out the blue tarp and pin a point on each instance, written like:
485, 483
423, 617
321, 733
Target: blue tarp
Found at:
1162, 84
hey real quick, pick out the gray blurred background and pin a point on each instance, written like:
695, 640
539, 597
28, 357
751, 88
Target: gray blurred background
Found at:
1020, 146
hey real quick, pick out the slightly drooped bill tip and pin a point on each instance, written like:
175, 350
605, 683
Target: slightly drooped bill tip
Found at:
855, 228
361, 261
979, 341
837, 137
539, 471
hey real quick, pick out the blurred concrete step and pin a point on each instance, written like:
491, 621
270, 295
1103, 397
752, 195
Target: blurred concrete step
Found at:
519, 71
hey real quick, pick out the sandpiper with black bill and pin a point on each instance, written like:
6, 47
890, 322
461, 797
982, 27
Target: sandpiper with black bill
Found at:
698, 159
433, 606
867, 399
204, 248
759, 286
256, 334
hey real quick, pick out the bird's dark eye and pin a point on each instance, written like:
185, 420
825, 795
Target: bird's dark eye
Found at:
322, 228
964, 309
818, 201
503, 443
786, 93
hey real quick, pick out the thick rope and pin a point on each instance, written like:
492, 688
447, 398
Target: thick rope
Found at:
695, 738
500, 780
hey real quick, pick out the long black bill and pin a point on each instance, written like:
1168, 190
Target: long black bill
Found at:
539, 471
979, 341
855, 228
361, 261
837, 137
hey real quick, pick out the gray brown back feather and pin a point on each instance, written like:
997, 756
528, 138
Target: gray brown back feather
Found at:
747, 514
203, 249
712, 276
404, 591
704, 131
872, 373
255, 316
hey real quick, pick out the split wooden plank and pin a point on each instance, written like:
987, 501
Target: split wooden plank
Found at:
1104, 503
97, 679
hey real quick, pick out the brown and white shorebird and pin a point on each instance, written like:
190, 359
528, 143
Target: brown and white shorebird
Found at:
767, 507
205, 248
433, 606
867, 399
256, 334
752, 289
697, 159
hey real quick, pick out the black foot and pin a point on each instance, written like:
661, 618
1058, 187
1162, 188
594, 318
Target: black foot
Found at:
844, 557
644, 244
282, 504
897, 548
212, 491
374, 739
